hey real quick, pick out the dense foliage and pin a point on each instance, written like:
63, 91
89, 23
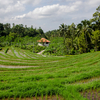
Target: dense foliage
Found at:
81, 38
68, 39
56, 47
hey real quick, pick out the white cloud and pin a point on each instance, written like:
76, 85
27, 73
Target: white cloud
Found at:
15, 6
10, 7
76, 5
5, 3
33, 2
51, 11
19, 17
71, 0
89, 5
93, 3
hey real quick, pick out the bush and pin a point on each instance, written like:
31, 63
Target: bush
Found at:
2, 44
37, 48
29, 47
74, 52
23, 47
92, 50
56, 47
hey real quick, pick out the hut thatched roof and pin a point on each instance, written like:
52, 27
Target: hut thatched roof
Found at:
43, 40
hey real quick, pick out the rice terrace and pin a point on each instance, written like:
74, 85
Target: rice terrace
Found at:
60, 64
28, 76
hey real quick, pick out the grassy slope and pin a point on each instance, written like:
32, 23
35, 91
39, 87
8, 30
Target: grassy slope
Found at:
66, 76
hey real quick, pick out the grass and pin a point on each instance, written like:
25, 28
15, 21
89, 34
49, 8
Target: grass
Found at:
68, 77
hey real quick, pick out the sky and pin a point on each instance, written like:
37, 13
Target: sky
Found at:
47, 14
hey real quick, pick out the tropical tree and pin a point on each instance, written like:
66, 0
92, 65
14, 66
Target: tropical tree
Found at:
79, 29
32, 32
96, 15
48, 34
96, 18
7, 28
12, 36
96, 39
1, 30
40, 32
72, 29
82, 43
19, 29
87, 32
63, 30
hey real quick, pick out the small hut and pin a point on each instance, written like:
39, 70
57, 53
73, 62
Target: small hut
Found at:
43, 42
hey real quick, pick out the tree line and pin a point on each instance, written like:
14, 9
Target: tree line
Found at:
19, 30
18, 34
81, 38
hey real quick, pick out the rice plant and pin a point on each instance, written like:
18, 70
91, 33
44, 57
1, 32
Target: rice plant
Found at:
36, 96
42, 96
53, 76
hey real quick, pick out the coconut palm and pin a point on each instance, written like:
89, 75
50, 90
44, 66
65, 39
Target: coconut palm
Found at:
63, 31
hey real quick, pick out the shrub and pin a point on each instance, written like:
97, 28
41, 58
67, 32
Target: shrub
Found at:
56, 47
37, 48
92, 50
2, 44
23, 47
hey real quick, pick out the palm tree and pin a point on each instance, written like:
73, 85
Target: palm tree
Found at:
72, 30
79, 29
64, 31
87, 30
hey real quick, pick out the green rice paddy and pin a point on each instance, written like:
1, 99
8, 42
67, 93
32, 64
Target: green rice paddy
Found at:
26, 75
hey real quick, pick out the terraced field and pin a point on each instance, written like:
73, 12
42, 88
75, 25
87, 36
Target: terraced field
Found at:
28, 76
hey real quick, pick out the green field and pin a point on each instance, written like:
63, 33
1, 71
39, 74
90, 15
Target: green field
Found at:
24, 74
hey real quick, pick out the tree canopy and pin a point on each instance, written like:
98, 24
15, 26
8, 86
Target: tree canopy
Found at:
73, 39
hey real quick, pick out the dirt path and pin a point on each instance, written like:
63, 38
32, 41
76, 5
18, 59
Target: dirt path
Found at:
41, 52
